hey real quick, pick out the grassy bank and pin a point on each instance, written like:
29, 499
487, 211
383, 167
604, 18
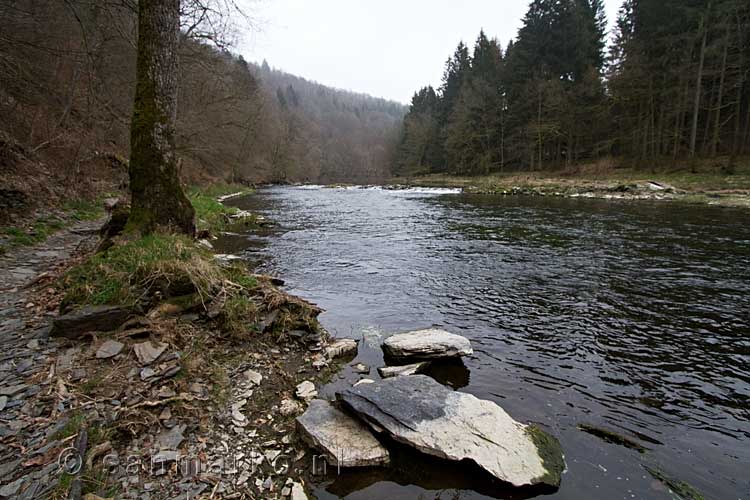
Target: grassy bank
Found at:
210, 214
704, 183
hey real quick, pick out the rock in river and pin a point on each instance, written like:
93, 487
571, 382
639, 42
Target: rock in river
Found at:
397, 371
346, 442
341, 348
421, 413
431, 343
90, 319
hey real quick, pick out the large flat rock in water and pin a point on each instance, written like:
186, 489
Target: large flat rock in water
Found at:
421, 413
431, 343
345, 441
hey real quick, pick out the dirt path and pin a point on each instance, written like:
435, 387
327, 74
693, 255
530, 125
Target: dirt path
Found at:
30, 403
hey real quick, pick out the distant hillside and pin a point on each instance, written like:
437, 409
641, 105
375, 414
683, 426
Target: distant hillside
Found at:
67, 72
333, 135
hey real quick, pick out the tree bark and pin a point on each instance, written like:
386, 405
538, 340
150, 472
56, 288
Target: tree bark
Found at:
698, 88
158, 200
722, 76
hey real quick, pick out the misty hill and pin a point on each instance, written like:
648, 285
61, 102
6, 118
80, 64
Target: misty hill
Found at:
333, 134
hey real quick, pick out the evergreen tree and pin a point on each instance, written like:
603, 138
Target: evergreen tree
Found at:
474, 134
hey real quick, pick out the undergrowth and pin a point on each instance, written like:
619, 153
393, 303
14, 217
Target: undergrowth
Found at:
164, 269
126, 273
43, 227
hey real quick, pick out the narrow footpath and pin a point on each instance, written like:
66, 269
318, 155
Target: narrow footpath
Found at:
32, 397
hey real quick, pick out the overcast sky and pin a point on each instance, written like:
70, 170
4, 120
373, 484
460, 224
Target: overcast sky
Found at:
386, 48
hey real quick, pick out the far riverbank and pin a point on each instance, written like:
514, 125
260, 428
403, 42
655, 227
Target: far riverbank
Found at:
705, 185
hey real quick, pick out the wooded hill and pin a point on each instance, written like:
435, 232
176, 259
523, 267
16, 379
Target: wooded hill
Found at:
673, 86
67, 77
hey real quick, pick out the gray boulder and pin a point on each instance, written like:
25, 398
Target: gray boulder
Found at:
431, 343
421, 413
90, 319
344, 441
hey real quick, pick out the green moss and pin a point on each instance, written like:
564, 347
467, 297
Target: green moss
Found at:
611, 437
36, 232
680, 488
551, 452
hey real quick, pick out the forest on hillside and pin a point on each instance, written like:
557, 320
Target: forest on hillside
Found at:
672, 86
67, 78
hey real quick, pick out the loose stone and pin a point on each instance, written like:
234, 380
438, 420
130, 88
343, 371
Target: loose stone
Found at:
346, 442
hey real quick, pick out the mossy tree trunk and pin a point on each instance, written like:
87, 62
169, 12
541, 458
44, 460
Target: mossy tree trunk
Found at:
158, 200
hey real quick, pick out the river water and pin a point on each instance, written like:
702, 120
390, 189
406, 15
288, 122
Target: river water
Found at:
632, 316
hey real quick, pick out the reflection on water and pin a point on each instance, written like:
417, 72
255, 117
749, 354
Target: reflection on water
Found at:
452, 373
630, 316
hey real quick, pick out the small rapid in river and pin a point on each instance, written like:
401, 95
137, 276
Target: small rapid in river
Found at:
632, 316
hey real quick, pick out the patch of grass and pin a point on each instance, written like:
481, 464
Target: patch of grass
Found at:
63, 485
211, 214
127, 273
236, 313
38, 231
72, 427
167, 269
90, 386
91, 480
81, 210
43, 227
220, 189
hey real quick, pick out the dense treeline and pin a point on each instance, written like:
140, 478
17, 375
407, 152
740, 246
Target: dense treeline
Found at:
67, 76
674, 84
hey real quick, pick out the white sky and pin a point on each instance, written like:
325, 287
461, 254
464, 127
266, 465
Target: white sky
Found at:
386, 48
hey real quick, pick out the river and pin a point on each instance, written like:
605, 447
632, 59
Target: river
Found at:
632, 316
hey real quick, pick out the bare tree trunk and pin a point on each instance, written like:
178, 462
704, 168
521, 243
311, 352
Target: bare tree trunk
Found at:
539, 125
717, 119
158, 200
680, 121
741, 74
709, 119
698, 88
502, 140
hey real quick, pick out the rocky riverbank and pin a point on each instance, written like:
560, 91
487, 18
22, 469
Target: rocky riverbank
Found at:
178, 392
